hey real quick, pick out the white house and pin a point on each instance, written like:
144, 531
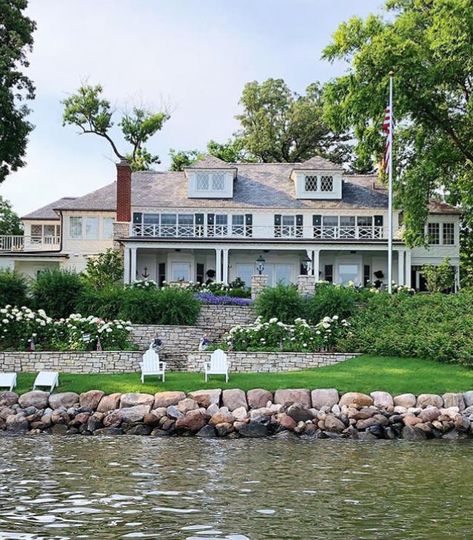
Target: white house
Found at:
216, 219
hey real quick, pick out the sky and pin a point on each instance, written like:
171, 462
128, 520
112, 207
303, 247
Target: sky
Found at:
192, 57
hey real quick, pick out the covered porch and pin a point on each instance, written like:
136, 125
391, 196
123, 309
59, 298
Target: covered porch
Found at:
283, 263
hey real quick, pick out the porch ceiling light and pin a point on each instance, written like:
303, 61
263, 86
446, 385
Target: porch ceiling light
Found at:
260, 264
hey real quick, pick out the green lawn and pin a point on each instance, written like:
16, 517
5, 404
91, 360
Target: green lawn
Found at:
363, 374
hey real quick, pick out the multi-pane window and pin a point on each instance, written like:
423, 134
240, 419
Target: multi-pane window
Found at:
311, 183
75, 227
91, 228
347, 227
448, 233
221, 221
364, 221
326, 183
288, 225
218, 181
168, 224
202, 181
433, 233
36, 234
107, 228
151, 219
186, 224
238, 225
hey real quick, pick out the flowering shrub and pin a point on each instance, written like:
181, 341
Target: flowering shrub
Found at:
21, 326
211, 298
274, 335
143, 284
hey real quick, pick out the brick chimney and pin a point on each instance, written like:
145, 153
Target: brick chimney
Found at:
123, 191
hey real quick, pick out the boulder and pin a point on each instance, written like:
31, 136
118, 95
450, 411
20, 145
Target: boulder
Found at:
426, 400
254, 430
186, 405
207, 432
240, 414
412, 434
224, 429
165, 399
91, 399
468, 398
299, 413
286, 421
324, 397
63, 399
356, 399
94, 423
362, 414
411, 420
298, 395
332, 423
205, 398
7, 399
35, 398
127, 414
59, 429
109, 403
193, 421
17, 423
109, 431
221, 417
452, 399
429, 414
258, 398
382, 400
234, 399
133, 399
173, 412
405, 400
139, 429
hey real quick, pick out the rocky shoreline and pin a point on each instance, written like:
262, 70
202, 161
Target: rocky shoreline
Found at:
321, 413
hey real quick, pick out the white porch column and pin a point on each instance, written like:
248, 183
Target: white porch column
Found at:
400, 267
408, 268
225, 266
316, 264
218, 265
133, 264
126, 266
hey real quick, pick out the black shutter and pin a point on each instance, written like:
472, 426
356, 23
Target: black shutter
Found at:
210, 219
137, 218
161, 273
299, 219
277, 225
249, 225
248, 219
199, 219
299, 225
277, 219
316, 220
378, 221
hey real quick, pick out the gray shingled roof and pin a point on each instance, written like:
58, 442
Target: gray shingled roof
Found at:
211, 162
258, 185
318, 163
47, 212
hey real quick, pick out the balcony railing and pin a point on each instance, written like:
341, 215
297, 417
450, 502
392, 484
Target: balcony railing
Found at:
29, 243
361, 232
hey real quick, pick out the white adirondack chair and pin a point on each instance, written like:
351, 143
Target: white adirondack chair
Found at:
218, 365
8, 380
151, 365
47, 378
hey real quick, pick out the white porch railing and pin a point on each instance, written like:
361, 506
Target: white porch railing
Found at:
28, 243
355, 232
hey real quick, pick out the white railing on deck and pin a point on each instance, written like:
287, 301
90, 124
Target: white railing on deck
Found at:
28, 243
322, 232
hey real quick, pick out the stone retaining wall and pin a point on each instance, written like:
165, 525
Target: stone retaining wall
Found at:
222, 318
271, 361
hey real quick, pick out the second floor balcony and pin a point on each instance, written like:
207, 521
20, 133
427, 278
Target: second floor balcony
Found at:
318, 232
20, 243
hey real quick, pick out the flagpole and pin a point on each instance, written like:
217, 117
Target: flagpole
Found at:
390, 187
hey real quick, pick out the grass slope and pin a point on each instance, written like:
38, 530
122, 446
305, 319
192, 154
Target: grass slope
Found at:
362, 374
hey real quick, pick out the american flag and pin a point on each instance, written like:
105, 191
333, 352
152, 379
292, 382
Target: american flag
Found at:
387, 127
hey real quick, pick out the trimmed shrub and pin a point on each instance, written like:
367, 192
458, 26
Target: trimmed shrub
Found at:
13, 289
104, 303
282, 302
170, 305
330, 300
57, 292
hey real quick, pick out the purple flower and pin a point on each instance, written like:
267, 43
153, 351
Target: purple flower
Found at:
209, 298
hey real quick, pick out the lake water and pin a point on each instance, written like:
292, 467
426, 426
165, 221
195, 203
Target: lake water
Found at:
139, 487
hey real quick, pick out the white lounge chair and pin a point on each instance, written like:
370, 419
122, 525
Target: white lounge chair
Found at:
8, 380
151, 365
218, 365
47, 378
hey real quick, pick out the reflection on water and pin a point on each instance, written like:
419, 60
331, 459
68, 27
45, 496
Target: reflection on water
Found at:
138, 487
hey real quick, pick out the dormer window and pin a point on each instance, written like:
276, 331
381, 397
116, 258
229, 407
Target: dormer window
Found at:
202, 181
311, 183
218, 181
326, 183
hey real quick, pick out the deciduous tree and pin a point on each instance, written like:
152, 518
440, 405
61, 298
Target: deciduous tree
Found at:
9, 221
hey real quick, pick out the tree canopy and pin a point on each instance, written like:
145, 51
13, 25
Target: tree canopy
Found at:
429, 45
9, 221
92, 113
16, 40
